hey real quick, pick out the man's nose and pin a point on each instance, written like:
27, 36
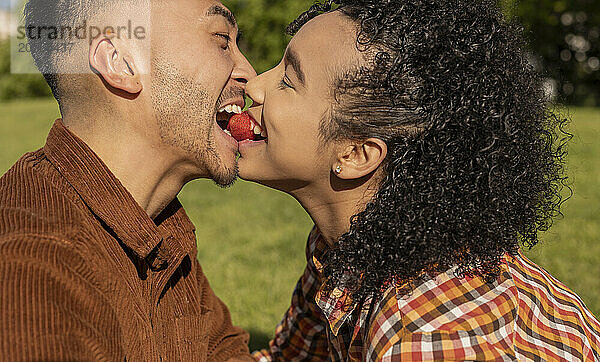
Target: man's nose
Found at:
258, 86
243, 71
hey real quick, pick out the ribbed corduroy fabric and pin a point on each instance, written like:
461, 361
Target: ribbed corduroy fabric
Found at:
86, 275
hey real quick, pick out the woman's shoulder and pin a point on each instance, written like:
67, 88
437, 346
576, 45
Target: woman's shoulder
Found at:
460, 317
447, 313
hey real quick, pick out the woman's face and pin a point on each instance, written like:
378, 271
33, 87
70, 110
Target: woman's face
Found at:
293, 100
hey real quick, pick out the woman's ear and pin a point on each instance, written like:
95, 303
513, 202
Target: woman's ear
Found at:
359, 159
109, 59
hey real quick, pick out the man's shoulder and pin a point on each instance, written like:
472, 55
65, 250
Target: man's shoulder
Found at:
37, 202
30, 175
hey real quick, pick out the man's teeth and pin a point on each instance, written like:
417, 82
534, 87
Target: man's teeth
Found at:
254, 127
231, 108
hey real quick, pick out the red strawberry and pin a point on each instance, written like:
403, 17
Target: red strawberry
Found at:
241, 126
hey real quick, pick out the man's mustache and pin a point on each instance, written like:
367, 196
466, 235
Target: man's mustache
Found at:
233, 92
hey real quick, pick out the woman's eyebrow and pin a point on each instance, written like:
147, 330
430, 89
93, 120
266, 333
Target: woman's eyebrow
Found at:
291, 57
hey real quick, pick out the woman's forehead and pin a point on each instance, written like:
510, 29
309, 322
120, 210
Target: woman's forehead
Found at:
326, 44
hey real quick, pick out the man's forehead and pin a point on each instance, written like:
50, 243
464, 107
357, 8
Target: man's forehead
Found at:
194, 10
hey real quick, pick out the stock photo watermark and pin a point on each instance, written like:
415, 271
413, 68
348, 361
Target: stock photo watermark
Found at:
47, 40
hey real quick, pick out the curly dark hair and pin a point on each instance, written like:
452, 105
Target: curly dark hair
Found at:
475, 164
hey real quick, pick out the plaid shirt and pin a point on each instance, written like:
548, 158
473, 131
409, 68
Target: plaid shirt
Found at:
525, 315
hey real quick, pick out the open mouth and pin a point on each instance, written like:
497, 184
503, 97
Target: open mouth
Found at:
239, 125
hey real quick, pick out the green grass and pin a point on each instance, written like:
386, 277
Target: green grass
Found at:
251, 239
571, 249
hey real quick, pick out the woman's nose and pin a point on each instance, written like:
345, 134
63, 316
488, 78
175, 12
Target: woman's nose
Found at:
255, 89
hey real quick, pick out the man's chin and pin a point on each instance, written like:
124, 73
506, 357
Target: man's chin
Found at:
221, 159
225, 176
221, 166
225, 181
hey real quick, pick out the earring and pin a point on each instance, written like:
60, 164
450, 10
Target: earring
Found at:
338, 169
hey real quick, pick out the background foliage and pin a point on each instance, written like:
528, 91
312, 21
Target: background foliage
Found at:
263, 25
564, 36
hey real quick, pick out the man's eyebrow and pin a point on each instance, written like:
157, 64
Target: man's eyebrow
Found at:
219, 10
292, 58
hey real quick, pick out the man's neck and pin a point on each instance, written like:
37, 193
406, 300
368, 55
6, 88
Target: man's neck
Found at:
152, 175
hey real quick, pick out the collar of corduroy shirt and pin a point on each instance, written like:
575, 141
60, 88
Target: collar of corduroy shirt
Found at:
148, 239
157, 248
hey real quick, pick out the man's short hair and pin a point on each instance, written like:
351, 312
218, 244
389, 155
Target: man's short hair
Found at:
48, 51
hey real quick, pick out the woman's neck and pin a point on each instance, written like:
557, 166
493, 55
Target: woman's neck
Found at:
331, 210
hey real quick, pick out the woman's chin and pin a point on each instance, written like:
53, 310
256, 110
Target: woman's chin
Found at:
271, 179
254, 172
288, 186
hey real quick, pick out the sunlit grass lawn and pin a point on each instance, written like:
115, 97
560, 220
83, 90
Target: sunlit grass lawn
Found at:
251, 239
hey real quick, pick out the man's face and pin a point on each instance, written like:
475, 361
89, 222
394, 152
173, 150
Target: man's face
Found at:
295, 98
197, 69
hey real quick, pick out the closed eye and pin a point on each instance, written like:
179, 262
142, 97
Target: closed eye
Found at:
284, 83
227, 39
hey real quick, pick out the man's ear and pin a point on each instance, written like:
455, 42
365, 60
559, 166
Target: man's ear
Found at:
359, 159
109, 59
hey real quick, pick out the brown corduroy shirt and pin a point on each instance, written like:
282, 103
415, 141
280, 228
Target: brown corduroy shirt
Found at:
87, 275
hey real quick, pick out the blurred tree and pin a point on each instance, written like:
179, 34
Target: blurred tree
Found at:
263, 24
566, 36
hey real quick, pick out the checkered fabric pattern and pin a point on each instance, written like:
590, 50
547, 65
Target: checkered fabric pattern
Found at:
526, 314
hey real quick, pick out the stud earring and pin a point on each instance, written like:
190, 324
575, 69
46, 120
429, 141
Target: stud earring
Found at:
338, 169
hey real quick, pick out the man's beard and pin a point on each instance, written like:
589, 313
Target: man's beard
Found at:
185, 113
